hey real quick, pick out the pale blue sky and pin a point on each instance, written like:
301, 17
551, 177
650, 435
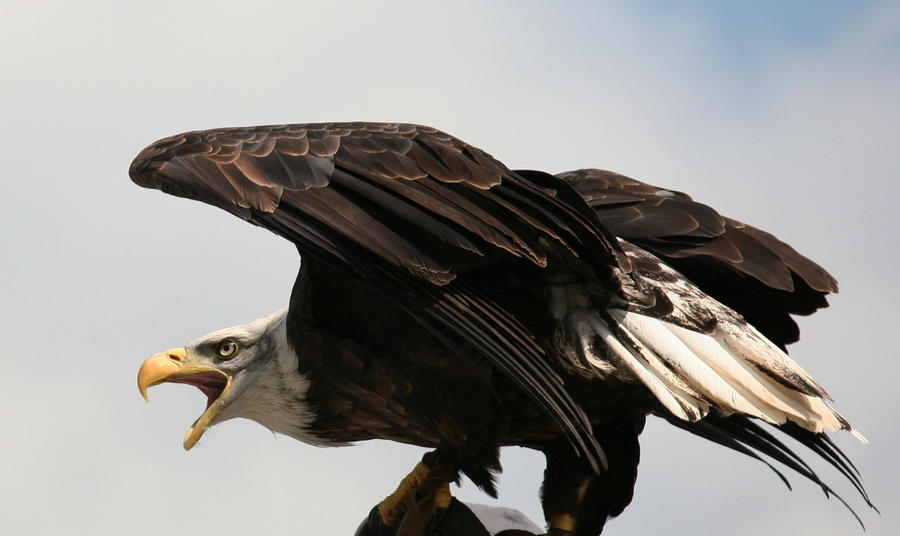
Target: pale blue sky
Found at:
784, 117
746, 29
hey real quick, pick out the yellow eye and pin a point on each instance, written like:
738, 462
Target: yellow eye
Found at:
227, 348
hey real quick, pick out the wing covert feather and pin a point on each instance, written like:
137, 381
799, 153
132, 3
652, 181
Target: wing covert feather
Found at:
745, 268
393, 172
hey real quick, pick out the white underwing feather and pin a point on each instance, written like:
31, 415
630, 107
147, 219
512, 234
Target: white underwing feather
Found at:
697, 371
758, 391
675, 402
752, 346
642, 349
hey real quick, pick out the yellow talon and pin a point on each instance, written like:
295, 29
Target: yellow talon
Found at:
392, 505
413, 513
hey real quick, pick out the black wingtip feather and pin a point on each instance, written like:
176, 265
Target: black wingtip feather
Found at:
742, 434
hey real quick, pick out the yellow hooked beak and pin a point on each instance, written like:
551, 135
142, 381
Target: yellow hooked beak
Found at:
177, 366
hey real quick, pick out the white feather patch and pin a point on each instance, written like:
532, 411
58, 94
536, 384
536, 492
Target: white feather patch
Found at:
762, 393
685, 369
680, 407
683, 357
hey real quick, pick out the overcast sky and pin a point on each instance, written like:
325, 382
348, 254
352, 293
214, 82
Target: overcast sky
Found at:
784, 117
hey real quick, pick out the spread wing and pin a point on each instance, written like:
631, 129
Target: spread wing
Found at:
749, 270
404, 209
409, 195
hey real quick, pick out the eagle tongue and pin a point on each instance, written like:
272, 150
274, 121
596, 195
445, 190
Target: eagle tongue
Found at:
210, 384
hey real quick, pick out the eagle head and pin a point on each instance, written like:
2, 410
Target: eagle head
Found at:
245, 371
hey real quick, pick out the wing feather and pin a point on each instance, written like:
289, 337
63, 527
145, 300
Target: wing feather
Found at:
747, 269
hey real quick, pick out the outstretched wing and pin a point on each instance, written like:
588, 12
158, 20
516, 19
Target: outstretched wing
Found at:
404, 209
749, 270
409, 195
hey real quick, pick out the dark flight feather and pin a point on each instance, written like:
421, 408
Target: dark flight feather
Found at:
740, 433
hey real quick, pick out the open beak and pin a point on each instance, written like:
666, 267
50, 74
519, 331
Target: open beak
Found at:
176, 366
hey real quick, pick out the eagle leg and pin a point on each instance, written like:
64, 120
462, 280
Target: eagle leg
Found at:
421, 495
578, 501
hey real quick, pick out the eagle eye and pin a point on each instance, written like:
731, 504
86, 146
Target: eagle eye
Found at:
227, 348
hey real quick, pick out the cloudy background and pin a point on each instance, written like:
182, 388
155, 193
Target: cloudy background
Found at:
786, 117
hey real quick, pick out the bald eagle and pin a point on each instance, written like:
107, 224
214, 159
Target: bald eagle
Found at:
446, 301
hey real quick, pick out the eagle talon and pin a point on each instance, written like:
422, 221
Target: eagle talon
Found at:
395, 503
434, 505
419, 499
427, 513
